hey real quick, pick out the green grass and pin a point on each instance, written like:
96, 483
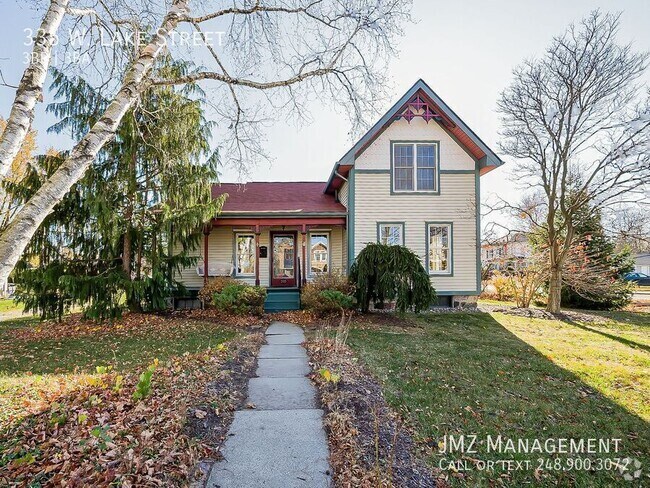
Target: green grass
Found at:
491, 374
82, 354
30, 367
8, 305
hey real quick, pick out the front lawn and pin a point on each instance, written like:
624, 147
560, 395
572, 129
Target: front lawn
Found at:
40, 361
8, 305
496, 374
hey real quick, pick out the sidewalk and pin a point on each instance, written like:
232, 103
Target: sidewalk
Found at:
281, 442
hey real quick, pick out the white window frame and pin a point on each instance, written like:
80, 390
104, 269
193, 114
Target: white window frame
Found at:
329, 251
380, 225
450, 248
237, 236
414, 168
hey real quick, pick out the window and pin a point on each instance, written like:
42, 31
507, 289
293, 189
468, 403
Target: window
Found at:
391, 234
414, 167
439, 258
245, 254
319, 250
403, 167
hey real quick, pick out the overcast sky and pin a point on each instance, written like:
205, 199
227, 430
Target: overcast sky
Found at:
465, 50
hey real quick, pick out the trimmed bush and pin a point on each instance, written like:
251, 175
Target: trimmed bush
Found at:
216, 285
240, 299
385, 273
312, 299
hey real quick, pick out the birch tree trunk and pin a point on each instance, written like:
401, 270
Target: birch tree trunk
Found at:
17, 235
30, 89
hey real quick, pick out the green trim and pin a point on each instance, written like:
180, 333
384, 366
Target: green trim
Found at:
451, 247
477, 204
329, 251
457, 171
448, 293
351, 192
403, 224
373, 171
436, 167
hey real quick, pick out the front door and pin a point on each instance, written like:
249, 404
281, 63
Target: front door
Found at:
283, 259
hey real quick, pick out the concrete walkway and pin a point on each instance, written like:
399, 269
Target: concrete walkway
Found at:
281, 443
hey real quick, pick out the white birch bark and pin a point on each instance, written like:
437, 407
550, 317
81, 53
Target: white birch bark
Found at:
19, 232
30, 89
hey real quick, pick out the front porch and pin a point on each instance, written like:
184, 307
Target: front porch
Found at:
281, 254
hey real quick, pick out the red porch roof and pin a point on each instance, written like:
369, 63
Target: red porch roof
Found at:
267, 198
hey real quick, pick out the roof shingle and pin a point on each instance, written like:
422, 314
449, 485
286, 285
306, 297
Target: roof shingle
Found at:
264, 197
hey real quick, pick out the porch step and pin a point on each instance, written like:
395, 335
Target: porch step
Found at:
282, 299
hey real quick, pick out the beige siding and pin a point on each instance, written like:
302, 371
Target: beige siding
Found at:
343, 194
377, 155
188, 276
374, 203
344, 251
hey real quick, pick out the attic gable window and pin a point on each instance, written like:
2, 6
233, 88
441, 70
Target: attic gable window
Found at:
415, 167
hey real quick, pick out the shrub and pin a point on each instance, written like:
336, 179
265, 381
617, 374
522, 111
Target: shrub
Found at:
311, 298
240, 298
382, 273
215, 285
503, 286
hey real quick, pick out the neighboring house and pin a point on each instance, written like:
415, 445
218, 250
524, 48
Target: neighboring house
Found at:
412, 179
642, 263
506, 253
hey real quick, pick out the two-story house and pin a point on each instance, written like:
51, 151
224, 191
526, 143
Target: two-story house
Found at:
413, 179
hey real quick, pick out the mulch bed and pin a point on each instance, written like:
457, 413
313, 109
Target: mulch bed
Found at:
210, 420
369, 445
99, 435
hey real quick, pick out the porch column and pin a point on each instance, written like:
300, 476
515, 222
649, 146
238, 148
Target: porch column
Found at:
206, 241
257, 255
304, 254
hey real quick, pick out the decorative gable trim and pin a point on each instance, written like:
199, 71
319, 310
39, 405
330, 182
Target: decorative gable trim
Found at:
419, 101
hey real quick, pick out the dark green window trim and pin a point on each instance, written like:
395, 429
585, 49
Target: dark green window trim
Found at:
373, 171
451, 248
402, 224
437, 169
457, 171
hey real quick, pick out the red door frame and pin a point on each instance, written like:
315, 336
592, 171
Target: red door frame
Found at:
283, 282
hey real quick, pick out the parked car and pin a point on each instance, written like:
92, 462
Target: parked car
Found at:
640, 279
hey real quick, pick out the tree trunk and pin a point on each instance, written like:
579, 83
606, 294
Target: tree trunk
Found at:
20, 231
30, 88
127, 247
554, 290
